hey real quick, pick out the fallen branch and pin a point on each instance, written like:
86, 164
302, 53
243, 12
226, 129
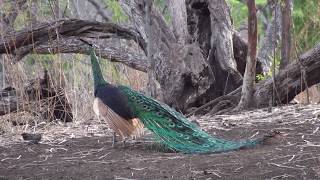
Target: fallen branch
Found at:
288, 82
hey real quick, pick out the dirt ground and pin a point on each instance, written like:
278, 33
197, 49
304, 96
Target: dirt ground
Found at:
83, 151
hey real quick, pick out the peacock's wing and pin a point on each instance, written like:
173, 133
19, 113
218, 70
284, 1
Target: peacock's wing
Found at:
173, 129
117, 123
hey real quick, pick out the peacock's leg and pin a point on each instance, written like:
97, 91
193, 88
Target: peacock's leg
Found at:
113, 138
124, 142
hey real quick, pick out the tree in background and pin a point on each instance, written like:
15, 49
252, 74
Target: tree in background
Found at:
250, 73
198, 57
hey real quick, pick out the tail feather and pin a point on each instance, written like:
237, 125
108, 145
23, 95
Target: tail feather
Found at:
176, 131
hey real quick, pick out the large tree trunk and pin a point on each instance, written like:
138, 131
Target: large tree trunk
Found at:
178, 13
250, 73
271, 40
285, 33
215, 42
191, 75
180, 69
193, 65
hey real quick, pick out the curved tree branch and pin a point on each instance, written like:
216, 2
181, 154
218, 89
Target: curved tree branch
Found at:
107, 50
67, 28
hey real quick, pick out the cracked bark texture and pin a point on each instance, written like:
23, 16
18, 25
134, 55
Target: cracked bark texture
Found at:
270, 40
197, 63
249, 75
289, 81
180, 69
210, 26
192, 65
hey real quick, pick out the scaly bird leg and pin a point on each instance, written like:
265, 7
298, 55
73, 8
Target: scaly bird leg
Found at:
113, 138
124, 142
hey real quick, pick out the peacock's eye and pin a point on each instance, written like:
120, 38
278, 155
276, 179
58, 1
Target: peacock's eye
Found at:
145, 107
180, 126
170, 120
172, 125
195, 134
205, 145
159, 114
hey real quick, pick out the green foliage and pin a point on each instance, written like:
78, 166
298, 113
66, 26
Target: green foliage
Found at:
117, 13
305, 16
306, 21
260, 77
161, 4
110, 70
46, 60
239, 12
5, 7
21, 21
45, 9
44, 12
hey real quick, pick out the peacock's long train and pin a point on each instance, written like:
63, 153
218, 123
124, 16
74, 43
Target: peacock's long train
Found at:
127, 111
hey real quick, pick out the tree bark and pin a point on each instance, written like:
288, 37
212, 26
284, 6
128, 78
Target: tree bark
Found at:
178, 13
188, 75
72, 27
180, 69
151, 85
190, 72
250, 73
270, 40
216, 43
288, 83
286, 6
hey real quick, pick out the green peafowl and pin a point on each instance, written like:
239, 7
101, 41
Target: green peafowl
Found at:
127, 112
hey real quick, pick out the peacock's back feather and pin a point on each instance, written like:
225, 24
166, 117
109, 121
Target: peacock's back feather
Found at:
175, 130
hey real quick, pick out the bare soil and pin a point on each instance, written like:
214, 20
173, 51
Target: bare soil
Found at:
83, 151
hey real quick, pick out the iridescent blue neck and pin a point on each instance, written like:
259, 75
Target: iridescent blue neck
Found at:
96, 70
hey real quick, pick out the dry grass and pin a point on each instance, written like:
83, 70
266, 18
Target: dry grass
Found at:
69, 72
81, 150
72, 73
